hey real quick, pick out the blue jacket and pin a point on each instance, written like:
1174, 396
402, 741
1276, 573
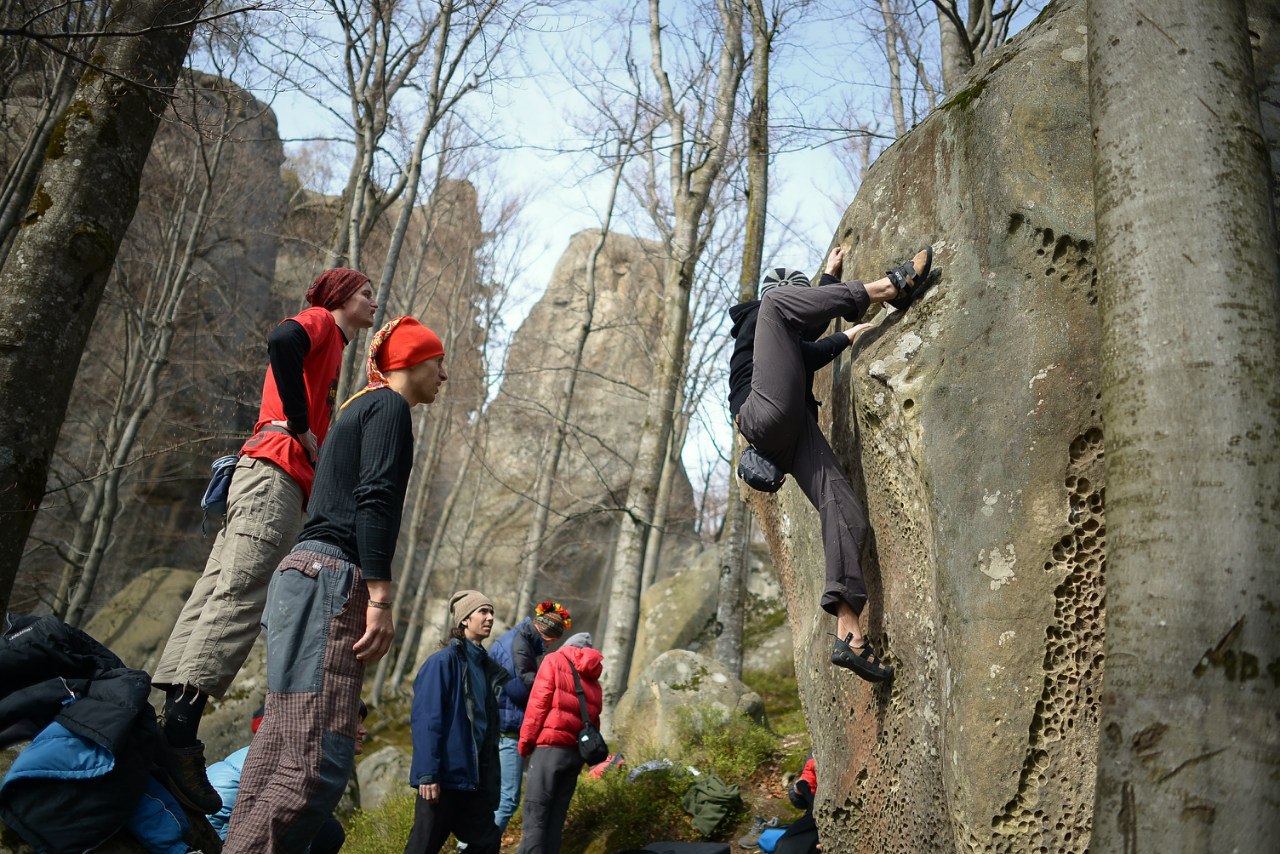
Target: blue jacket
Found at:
58, 754
444, 746
224, 776
518, 650
93, 763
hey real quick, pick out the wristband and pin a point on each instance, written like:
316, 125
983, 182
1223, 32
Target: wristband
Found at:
373, 603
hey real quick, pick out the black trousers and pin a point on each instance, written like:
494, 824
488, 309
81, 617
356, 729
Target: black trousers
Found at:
467, 815
775, 419
553, 777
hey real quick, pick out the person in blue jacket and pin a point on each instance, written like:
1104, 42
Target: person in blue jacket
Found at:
520, 651
224, 776
455, 735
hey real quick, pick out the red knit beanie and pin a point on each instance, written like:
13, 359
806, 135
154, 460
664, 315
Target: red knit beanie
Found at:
334, 287
408, 344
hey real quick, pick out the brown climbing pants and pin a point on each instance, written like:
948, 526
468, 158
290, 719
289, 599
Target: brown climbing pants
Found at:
775, 419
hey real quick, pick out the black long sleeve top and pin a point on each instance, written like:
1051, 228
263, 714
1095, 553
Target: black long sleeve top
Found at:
361, 479
287, 348
816, 354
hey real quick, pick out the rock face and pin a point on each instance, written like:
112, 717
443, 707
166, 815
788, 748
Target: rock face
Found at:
676, 611
649, 712
971, 423
384, 772
484, 544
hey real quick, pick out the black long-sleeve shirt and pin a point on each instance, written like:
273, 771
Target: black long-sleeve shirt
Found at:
361, 480
816, 354
287, 348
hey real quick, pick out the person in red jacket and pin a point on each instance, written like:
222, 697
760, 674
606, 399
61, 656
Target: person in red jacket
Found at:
552, 721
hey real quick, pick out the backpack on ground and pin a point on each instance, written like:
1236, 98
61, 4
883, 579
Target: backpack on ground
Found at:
710, 801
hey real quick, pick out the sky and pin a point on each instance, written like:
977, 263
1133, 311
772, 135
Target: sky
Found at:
826, 68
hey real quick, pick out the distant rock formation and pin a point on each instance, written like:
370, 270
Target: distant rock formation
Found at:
484, 543
972, 423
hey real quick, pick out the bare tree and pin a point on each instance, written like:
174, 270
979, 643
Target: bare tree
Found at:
538, 522
210, 110
696, 156
1191, 410
969, 31
37, 86
57, 266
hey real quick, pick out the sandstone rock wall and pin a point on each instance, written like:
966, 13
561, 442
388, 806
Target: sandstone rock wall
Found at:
484, 544
971, 424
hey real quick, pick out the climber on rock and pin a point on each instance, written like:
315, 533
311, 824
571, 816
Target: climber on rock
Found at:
775, 355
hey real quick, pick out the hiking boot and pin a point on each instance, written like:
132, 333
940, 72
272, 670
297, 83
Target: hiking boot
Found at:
752, 837
183, 769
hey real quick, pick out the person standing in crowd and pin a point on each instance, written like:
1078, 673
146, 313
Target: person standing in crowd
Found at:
520, 651
455, 723
552, 721
329, 604
273, 477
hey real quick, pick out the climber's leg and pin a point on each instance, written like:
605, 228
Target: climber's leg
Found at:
844, 524
773, 416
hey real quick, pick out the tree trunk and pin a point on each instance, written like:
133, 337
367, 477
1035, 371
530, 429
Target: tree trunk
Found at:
690, 191
670, 465
53, 278
138, 393
547, 475
733, 580
954, 55
414, 638
1190, 753
895, 68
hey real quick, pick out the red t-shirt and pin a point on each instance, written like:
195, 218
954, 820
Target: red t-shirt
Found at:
320, 373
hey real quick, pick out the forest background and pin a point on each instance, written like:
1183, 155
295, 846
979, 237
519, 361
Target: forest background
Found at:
450, 150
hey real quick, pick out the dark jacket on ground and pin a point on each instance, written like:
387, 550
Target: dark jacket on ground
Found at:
518, 650
43, 662
741, 362
444, 747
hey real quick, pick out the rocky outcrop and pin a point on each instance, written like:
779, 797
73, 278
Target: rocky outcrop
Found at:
679, 688
676, 611
484, 543
972, 425
382, 773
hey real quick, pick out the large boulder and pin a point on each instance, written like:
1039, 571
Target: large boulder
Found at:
137, 621
649, 712
382, 773
971, 423
676, 611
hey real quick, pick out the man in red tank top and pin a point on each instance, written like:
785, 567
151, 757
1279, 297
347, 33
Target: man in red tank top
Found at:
221, 619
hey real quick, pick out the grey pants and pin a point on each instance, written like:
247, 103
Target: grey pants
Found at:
553, 776
221, 619
775, 419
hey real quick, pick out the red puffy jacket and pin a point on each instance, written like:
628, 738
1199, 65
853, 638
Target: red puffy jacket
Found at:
553, 717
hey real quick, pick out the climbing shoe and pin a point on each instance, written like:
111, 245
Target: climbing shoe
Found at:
910, 284
861, 660
758, 826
